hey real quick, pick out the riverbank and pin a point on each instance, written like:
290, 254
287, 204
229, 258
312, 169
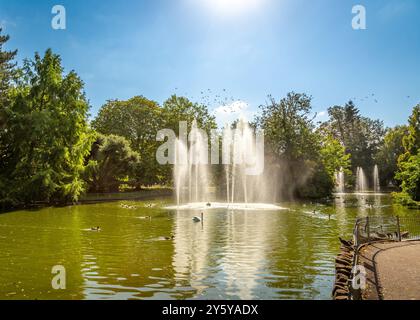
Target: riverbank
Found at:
143, 194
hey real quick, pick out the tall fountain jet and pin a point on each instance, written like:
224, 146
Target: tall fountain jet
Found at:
376, 180
242, 153
191, 170
361, 181
339, 178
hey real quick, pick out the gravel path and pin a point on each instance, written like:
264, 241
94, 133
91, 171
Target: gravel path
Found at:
393, 270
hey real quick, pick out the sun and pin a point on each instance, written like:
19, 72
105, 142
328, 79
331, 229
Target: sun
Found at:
232, 7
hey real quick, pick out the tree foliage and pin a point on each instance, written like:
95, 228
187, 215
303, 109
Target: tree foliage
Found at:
7, 69
138, 120
409, 162
288, 127
7, 73
360, 136
46, 134
112, 163
333, 155
294, 147
389, 152
177, 109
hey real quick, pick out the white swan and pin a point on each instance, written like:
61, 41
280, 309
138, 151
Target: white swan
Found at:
198, 219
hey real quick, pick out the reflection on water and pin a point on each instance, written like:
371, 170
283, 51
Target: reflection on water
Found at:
283, 254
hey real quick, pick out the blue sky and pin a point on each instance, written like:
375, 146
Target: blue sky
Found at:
232, 50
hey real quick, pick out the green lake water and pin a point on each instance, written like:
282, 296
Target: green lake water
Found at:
287, 254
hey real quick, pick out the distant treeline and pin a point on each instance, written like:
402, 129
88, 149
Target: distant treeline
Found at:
51, 153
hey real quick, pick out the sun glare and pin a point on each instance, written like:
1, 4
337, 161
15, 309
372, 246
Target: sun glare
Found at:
232, 7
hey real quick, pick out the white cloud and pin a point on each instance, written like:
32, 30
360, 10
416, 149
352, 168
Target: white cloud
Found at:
321, 115
228, 113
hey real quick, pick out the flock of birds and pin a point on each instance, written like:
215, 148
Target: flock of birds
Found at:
371, 96
209, 99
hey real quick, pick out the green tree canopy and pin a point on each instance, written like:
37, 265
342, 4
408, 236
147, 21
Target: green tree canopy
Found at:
288, 127
360, 136
7, 71
333, 155
409, 175
176, 109
138, 120
7, 68
411, 141
47, 133
112, 162
389, 152
293, 147
409, 162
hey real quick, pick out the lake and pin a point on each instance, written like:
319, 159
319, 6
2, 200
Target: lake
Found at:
284, 254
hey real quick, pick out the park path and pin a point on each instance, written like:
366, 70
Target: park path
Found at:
393, 270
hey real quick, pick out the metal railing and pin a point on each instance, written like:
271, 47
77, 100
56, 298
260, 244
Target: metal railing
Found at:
391, 228
379, 228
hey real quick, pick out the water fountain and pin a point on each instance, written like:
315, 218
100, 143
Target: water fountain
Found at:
191, 168
361, 181
241, 154
376, 181
339, 179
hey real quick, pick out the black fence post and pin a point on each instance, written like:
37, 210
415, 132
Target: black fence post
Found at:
399, 229
368, 229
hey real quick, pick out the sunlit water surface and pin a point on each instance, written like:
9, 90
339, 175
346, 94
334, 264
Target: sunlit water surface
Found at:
232, 254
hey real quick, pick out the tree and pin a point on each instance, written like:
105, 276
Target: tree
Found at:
177, 109
288, 127
7, 69
294, 147
333, 155
409, 175
409, 162
411, 141
389, 152
138, 120
47, 134
112, 162
7, 72
361, 136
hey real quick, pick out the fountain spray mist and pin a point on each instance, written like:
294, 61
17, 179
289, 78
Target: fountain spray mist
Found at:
340, 182
361, 181
376, 180
193, 175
